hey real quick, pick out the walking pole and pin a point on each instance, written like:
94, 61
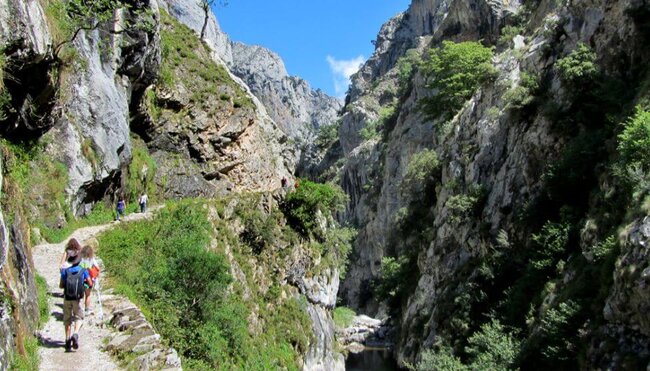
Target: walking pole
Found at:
99, 300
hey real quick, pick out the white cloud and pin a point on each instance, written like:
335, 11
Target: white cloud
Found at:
342, 70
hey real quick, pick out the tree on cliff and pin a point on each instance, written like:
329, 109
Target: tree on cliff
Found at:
74, 16
206, 5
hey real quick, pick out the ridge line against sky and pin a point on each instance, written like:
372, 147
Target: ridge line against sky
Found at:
323, 42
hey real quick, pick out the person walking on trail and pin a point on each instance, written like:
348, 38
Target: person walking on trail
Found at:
89, 263
72, 282
119, 208
72, 245
143, 202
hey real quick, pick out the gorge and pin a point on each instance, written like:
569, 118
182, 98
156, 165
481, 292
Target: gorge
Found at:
479, 200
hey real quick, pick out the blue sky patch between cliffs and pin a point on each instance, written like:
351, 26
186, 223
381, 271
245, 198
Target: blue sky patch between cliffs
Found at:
322, 41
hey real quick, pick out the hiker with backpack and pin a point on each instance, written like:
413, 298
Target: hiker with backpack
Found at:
120, 208
73, 279
89, 263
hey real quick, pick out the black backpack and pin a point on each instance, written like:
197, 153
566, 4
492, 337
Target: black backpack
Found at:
74, 285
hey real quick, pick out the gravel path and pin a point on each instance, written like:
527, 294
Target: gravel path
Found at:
89, 356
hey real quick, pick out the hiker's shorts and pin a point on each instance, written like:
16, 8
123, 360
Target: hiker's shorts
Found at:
72, 311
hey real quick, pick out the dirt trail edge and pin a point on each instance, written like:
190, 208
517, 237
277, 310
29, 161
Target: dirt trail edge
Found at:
89, 356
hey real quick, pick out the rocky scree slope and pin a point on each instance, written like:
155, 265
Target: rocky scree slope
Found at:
515, 192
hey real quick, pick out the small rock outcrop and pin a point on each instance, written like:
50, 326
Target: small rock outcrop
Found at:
135, 335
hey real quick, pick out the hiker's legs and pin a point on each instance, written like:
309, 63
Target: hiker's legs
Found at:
67, 322
87, 299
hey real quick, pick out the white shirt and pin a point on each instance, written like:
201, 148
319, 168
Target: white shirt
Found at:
143, 199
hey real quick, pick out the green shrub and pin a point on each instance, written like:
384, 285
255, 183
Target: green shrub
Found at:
579, 67
420, 172
634, 141
439, 360
406, 67
551, 241
343, 316
392, 277
303, 205
259, 228
507, 34
454, 72
328, 134
524, 93
464, 205
164, 266
556, 329
373, 128
492, 348
337, 246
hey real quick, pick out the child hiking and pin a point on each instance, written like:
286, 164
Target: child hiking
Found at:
89, 263
72, 245
72, 282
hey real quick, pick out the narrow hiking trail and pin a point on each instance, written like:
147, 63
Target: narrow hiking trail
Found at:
89, 356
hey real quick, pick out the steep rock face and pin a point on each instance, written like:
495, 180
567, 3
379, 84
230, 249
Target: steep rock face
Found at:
487, 148
296, 268
18, 306
200, 116
290, 102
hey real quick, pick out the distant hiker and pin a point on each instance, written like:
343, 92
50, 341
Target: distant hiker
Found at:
284, 182
72, 245
119, 208
89, 263
72, 282
143, 202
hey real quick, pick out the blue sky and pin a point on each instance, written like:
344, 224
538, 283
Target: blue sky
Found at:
321, 41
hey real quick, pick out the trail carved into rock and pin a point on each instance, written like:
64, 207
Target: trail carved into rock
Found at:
90, 355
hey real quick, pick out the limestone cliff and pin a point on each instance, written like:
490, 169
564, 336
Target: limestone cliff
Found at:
463, 234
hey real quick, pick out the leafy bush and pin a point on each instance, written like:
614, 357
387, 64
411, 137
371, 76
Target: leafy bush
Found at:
579, 67
634, 141
551, 241
556, 331
463, 205
373, 128
406, 67
492, 348
303, 205
259, 228
392, 277
337, 246
343, 316
439, 360
164, 266
420, 172
454, 71
100, 214
507, 34
328, 134
524, 93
